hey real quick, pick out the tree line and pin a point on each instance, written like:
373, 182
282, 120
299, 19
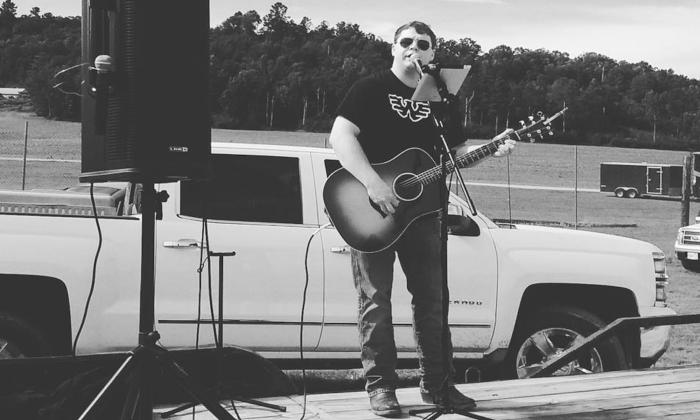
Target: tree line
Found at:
272, 73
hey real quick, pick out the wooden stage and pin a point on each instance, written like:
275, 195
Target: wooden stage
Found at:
635, 394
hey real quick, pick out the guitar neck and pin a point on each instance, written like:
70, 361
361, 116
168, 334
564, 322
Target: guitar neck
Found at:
486, 150
481, 152
462, 161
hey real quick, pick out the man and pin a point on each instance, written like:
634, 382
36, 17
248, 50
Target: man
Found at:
375, 122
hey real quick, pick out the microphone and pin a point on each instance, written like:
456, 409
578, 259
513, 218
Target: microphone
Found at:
432, 69
101, 84
419, 67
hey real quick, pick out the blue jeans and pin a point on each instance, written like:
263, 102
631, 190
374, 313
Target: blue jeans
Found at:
419, 255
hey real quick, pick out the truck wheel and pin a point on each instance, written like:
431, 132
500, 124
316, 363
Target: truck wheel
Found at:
631, 193
691, 265
619, 192
551, 331
19, 339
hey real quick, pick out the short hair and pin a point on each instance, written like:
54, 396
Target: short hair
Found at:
421, 28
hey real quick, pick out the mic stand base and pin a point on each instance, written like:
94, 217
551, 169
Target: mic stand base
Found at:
221, 391
440, 410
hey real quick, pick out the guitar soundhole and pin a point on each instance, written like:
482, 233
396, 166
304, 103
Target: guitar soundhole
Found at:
407, 187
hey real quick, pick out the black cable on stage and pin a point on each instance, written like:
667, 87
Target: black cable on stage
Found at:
199, 294
89, 297
94, 268
205, 240
211, 298
199, 286
301, 323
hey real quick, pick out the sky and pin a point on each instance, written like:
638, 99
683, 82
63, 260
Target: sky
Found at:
663, 33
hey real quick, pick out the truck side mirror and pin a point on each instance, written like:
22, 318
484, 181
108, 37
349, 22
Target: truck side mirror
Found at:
459, 225
454, 209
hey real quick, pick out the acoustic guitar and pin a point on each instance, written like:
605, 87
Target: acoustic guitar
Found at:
412, 174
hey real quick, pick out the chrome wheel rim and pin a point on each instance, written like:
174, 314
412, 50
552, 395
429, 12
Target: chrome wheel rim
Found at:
548, 344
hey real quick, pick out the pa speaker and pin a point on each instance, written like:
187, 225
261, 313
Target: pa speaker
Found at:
145, 114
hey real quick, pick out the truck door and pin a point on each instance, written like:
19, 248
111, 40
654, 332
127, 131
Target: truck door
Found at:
258, 206
473, 285
654, 174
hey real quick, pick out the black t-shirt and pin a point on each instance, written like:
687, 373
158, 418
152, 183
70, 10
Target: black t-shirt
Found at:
389, 121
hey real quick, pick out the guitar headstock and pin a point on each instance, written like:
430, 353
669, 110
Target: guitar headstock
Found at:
537, 127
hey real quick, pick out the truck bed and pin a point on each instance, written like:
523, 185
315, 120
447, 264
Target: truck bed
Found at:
71, 201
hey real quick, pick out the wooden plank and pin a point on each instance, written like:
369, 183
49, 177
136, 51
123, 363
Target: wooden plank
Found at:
580, 405
539, 406
553, 386
685, 408
623, 394
677, 411
516, 387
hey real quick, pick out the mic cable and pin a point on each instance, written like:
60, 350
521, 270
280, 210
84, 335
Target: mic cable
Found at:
301, 323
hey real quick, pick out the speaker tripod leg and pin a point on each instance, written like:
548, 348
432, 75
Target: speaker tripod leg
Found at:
185, 382
261, 404
122, 370
139, 399
225, 395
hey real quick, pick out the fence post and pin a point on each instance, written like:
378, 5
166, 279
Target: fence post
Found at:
685, 194
24, 159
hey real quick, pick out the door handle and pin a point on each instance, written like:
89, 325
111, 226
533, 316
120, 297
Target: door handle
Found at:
182, 243
340, 249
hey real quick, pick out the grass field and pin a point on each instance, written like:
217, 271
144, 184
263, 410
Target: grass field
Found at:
654, 220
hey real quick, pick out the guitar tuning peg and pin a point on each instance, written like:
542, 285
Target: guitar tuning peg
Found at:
540, 114
550, 132
522, 123
531, 118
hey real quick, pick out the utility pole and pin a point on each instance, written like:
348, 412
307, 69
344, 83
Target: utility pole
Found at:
685, 194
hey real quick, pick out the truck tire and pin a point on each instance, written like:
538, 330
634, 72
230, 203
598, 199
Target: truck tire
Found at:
619, 192
549, 332
631, 193
19, 339
691, 265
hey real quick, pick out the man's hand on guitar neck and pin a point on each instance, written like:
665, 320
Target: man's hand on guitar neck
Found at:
382, 195
503, 150
507, 146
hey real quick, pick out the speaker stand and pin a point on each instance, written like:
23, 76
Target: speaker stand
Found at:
148, 356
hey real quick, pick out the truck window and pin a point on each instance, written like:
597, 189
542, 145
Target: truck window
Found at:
331, 165
246, 188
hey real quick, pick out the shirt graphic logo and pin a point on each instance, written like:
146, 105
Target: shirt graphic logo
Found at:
406, 108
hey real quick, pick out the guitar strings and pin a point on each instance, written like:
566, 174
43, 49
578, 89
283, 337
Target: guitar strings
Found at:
434, 172
492, 147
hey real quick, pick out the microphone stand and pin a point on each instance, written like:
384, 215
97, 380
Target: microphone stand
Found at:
444, 405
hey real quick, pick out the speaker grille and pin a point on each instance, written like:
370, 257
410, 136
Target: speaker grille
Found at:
156, 118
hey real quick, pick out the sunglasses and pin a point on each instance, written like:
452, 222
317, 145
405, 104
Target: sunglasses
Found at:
423, 45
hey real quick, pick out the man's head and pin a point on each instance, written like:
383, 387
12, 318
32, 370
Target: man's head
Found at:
420, 27
413, 42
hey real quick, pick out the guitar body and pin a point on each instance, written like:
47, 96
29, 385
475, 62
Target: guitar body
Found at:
355, 216
413, 174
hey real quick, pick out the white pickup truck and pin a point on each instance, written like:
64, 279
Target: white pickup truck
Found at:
687, 246
519, 295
